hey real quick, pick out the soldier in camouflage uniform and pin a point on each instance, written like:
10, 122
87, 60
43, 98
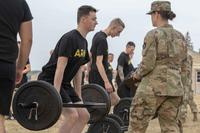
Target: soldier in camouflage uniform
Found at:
188, 92
160, 92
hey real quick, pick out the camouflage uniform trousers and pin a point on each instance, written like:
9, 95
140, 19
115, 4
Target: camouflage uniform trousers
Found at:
188, 99
145, 106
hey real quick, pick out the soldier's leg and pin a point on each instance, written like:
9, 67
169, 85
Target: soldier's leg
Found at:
2, 125
193, 106
168, 115
183, 113
141, 112
180, 125
114, 96
183, 110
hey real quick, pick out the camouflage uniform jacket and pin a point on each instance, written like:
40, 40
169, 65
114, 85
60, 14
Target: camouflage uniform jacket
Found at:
164, 53
187, 73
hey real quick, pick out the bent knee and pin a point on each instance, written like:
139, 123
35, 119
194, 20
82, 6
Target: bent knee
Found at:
72, 114
2, 118
84, 115
114, 99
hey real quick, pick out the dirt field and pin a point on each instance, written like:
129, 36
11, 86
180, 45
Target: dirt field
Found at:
189, 126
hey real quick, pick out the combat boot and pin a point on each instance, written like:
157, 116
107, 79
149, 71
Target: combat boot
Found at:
195, 116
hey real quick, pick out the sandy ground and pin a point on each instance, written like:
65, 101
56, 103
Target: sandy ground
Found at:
189, 126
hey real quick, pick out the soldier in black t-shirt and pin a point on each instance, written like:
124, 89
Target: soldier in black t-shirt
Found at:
70, 53
15, 17
84, 75
124, 67
99, 53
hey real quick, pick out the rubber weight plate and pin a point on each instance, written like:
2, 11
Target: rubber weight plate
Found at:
49, 105
106, 125
97, 94
116, 118
122, 109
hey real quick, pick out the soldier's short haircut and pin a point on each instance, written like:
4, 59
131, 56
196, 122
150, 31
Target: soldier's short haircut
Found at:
111, 54
130, 43
117, 21
84, 11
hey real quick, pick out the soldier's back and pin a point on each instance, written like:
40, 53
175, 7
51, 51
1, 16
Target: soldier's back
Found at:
171, 52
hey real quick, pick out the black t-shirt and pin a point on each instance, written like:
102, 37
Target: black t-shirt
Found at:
124, 61
99, 48
12, 14
73, 46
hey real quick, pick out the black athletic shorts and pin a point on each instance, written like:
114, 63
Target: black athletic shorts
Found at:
67, 92
7, 85
95, 77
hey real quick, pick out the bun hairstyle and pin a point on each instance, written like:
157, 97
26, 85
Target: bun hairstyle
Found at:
167, 15
171, 15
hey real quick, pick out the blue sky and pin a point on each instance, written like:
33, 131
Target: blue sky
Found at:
53, 18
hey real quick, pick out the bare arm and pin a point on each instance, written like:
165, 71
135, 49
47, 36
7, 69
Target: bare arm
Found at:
77, 82
103, 73
89, 63
121, 73
25, 33
101, 68
60, 68
27, 69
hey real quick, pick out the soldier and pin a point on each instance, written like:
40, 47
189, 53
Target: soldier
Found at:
124, 67
188, 92
15, 17
69, 54
160, 92
99, 56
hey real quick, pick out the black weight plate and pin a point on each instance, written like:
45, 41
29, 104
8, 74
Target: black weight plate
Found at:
106, 125
116, 118
97, 94
129, 82
124, 91
122, 109
49, 109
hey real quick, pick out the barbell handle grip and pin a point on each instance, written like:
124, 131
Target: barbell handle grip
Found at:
85, 105
29, 106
